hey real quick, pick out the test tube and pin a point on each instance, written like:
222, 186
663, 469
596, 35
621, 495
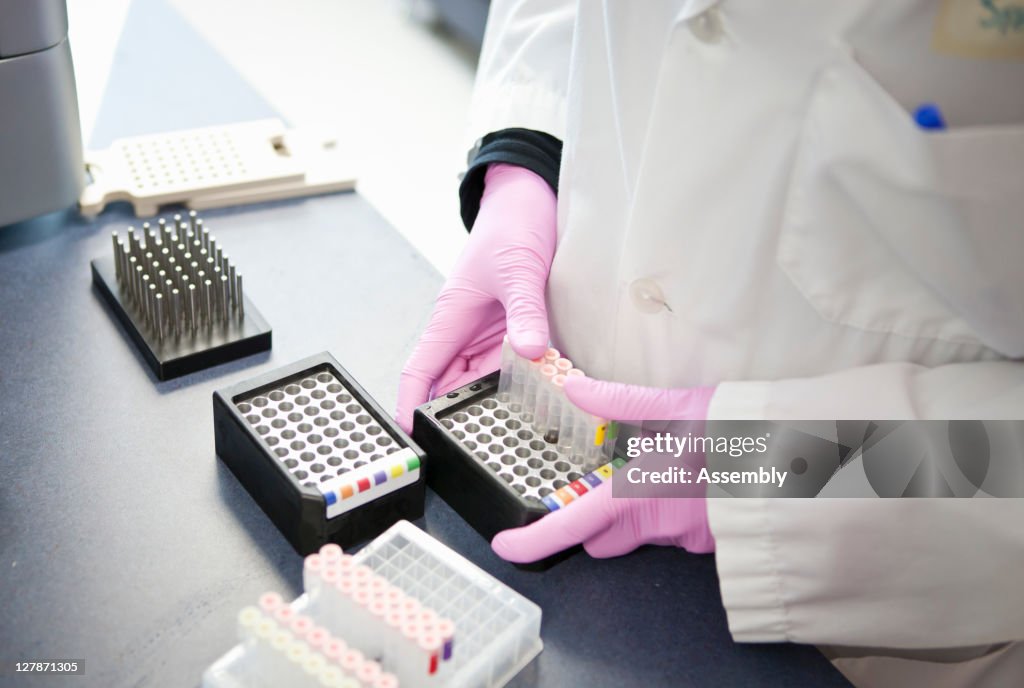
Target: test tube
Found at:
552, 355
610, 436
563, 365
589, 440
533, 380
508, 357
540, 415
556, 400
567, 435
517, 392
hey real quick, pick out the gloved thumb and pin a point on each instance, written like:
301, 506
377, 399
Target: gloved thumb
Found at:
527, 316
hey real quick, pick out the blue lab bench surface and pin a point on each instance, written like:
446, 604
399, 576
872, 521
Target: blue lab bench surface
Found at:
126, 544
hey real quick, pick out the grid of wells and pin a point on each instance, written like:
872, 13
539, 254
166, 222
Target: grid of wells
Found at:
317, 428
479, 617
499, 439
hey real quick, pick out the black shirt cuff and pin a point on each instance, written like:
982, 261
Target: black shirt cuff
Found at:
536, 151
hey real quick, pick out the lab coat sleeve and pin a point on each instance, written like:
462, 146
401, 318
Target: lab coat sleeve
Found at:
900, 573
523, 74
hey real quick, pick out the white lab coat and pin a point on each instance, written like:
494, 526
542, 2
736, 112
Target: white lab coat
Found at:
746, 201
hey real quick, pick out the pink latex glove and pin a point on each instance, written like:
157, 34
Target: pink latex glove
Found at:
609, 527
497, 285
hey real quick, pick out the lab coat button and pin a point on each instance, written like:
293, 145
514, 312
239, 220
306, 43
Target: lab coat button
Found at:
647, 296
707, 26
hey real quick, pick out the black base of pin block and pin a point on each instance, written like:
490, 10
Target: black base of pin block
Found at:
476, 492
176, 356
296, 509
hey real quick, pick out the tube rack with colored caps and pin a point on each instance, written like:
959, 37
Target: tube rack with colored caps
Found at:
383, 618
415, 642
289, 649
533, 389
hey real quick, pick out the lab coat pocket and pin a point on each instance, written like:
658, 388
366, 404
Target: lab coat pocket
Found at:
893, 229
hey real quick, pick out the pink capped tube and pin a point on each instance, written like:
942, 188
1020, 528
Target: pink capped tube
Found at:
284, 615
312, 567
331, 576
530, 390
379, 608
556, 400
361, 596
361, 574
563, 365
270, 602
351, 660
369, 671
386, 680
432, 645
301, 625
330, 553
317, 638
540, 415
552, 355
334, 648
411, 606
446, 629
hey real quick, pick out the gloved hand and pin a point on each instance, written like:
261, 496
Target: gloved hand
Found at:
610, 527
497, 285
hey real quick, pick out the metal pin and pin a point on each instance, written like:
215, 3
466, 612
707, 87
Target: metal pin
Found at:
193, 217
151, 301
145, 294
234, 284
145, 232
159, 314
192, 316
215, 276
207, 303
176, 311
225, 297
205, 236
136, 282
212, 247
117, 255
241, 296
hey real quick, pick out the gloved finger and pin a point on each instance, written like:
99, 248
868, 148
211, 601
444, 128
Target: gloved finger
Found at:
457, 317
476, 360
577, 522
469, 368
527, 313
449, 378
626, 402
617, 540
